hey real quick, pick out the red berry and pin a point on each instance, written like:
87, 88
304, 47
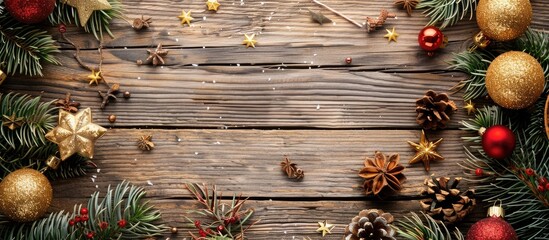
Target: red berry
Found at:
104, 225
85, 218
546, 186
529, 172
197, 224
90, 235
543, 181
77, 219
122, 223
202, 233
232, 220
71, 222
541, 188
84, 211
479, 172
209, 231
227, 221
348, 60
62, 28
220, 228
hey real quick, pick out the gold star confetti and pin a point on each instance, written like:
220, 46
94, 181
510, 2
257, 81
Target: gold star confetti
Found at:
85, 8
249, 41
185, 17
76, 134
212, 5
391, 35
470, 107
325, 228
425, 151
12, 122
95, 77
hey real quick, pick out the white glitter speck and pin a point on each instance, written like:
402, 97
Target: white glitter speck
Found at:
149, 182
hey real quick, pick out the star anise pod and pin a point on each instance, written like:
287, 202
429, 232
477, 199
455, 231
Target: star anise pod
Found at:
291, 169
110, 95
67, 104
145, 143
381, 172
409, 5
142, 22
157, 55
12, 122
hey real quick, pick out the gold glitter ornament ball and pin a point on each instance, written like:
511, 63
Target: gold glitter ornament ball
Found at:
25, 195
504, 20
515, 80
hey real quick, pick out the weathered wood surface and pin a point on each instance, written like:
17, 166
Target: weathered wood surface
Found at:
295, 87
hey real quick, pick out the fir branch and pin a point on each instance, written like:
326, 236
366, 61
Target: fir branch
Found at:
475, 65
447, 12
122, 202
414, 228
23, 47
484, 118
27, 146
98, 22
230, 217
535, 43
536, 137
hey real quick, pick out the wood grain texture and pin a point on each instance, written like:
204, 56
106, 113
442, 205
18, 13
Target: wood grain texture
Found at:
247, 161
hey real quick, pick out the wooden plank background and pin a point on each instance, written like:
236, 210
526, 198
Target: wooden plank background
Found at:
238, 111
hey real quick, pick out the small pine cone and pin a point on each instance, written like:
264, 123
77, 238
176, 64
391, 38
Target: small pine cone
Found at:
371, 224
446, 202
433, 110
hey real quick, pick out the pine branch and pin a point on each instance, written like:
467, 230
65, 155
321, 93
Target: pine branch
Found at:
447, 12
535, 43
122, 202
26, 146
98, 22
414, 228
23, 47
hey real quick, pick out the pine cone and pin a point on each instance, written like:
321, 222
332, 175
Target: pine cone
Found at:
446, 202
371, 224
433, 110
381, 172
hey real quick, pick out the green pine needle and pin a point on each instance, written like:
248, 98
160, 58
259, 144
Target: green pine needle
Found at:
27, 145
22, 47
98, 23
414, 228
447, 12
122, 202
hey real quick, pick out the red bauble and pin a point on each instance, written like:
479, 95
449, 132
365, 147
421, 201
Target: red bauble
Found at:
30, 11
491, 228
498, 141
431, 38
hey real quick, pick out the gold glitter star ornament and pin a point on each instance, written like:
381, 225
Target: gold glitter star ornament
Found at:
85, 8
425, 151
95, 77
213, 5
470, 107
391, 35
76, 134
186, 17
325, 228
249, 41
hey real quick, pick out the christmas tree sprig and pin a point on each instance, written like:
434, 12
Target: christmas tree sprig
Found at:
447, 12
24, 47
98, 23
224, 221
520, 181
414, 228
26, 145
121, 214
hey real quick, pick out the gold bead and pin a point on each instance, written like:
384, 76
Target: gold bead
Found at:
25, 195
112, 118
515, 80
173, 230
504, 20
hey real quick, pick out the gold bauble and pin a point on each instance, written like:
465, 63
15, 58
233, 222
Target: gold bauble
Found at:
504, 20
25, 195
515, 80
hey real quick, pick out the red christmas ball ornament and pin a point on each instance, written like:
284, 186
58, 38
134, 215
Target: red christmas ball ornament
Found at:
498, 141
430, 39
30, 11
493, 227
